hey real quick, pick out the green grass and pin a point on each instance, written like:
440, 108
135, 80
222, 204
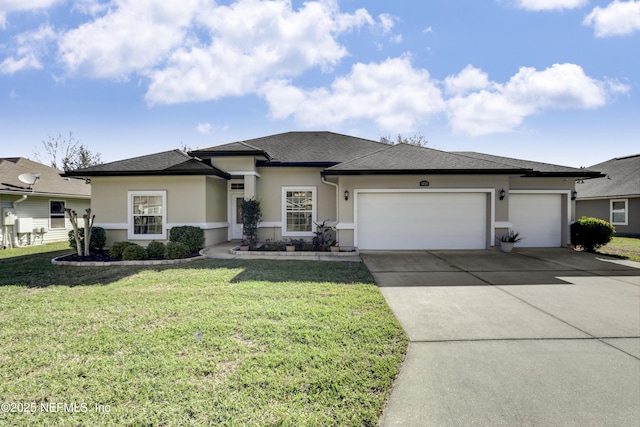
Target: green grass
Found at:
213, 342
624, 247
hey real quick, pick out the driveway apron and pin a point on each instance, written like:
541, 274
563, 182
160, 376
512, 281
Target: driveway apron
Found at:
537, 337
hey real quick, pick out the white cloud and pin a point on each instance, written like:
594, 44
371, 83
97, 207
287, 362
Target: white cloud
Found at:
9, 6
250, 42
132, 36
538, 5
618, 18
30, 46
204, 128
467, 80
503, 107
393, 94
387, 22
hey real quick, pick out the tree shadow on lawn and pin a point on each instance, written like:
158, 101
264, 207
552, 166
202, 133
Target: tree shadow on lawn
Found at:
36, 271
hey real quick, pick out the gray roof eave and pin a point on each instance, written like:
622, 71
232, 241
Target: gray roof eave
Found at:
173, 172
426, 172
578, 174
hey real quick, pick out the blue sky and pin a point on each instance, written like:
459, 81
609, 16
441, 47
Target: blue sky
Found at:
547, 80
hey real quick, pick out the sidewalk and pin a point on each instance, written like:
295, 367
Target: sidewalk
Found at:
225, 251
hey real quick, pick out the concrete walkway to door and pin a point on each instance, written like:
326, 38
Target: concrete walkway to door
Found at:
538, 337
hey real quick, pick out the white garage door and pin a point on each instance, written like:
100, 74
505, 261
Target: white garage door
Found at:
538, 218
422, 220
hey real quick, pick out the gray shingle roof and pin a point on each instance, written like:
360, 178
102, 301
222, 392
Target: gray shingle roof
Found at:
174, 162
299, 147
50, 180
403, 158
540, 168
623, 179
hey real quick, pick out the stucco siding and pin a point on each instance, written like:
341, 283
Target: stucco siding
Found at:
234, 164
269, 193
216, 200
187, 201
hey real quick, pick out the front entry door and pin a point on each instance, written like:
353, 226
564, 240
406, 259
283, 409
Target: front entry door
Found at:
236, 217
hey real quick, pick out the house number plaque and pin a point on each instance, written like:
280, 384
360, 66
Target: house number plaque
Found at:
424, 183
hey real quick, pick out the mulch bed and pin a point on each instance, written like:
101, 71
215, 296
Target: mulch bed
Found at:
100, 257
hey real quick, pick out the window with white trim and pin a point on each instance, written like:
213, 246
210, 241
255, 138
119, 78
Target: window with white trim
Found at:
56, 214
147, 214
619, 212
298, 211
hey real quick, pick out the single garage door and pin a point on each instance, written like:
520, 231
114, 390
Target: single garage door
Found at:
538, 218
422, 220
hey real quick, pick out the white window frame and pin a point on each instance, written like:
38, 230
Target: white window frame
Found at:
314, 195
130, 231
625, 211
64, 215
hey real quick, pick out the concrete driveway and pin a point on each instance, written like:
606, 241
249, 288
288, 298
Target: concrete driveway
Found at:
538, 337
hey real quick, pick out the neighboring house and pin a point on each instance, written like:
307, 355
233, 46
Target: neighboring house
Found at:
377, 196
33, 214
615, 198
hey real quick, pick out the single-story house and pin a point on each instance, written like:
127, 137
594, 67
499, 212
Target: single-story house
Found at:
33, 197
376, 196
615, 198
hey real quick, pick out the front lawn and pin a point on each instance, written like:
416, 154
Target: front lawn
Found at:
625, 247
215, 342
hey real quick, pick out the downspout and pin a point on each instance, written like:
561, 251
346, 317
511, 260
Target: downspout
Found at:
15, 209
337, 202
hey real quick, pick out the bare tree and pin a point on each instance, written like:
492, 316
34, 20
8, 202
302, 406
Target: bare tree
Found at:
416, 139
66, 154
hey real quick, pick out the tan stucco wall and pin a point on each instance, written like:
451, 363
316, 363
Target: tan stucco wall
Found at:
234, 164
190, 200
185, 201
269, 193
216, 200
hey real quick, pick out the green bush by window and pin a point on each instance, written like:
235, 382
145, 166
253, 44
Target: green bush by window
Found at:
134, 252
98, 239
155, 250
176, 250
115, 251
191, 237
591, 233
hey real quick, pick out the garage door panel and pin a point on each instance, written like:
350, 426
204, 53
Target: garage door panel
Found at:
422, 221
538, 218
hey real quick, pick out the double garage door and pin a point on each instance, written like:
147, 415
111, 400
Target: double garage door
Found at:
422, 220
456, 220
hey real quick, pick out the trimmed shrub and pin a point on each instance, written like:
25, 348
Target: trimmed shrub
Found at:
591, 233
98, 239
191, 237
115, 251
155, 250
176, 250
276, 245
134, 252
